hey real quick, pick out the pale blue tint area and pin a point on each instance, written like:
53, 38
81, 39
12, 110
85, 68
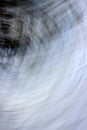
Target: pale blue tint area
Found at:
46, 87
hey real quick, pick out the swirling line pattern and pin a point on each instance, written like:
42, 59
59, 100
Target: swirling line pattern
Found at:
43, 64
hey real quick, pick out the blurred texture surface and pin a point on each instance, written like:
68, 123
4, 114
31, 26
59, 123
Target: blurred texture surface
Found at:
43, 64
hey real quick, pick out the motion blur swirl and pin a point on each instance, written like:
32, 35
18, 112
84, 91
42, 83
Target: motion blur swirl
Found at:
43, 64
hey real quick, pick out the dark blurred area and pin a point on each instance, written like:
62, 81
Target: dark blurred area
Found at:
10, 27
